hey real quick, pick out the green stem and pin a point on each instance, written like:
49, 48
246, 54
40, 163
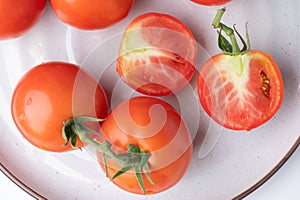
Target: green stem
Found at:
134, 158
225, 46
102, 147
218, 17
105, 164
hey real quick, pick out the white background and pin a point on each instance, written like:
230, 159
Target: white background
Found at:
283, 185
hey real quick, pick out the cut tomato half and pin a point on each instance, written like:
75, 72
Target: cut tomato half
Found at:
241, 92
157, 54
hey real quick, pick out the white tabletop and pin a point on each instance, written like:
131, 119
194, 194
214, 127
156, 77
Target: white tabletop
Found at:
283, 185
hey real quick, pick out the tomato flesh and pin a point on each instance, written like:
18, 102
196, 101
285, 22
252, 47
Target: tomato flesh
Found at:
157, 54
50, 94
18, 16
211, 2
155, 127
241, 92
91, 14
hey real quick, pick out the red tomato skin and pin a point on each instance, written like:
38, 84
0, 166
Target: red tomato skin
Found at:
256, 108
91, 14
170, 147
178, 58
18, 16
50, 94
211, 2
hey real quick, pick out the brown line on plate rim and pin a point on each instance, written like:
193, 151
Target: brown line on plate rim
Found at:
271, 173
36, 195
19, 183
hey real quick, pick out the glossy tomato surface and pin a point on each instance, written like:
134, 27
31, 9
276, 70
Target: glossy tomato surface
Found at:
241, 92
155, 127
157, 54
211, 2
50, 94
18, 16
91, 14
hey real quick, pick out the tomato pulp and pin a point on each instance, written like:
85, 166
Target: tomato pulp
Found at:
157, 54
18, 16
241, 92
91, 14
155, 127
50, 94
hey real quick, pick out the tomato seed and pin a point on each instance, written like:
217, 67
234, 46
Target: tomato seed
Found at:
266, 84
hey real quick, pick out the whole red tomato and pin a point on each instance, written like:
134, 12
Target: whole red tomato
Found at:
18, 16
91, 14
50, 94
240, 89
211, 2
155, 127
157, 54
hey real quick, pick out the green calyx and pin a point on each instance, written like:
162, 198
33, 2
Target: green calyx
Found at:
134, 158
230, 47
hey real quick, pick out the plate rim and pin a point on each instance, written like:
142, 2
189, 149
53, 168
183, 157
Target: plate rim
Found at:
242, 195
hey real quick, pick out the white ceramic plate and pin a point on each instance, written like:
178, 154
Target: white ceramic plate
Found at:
226, 164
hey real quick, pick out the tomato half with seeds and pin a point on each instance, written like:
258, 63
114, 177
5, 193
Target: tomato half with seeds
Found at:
156, 128
240, 90
50, 94
157, 54
18, 16
91, 14
211, 2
